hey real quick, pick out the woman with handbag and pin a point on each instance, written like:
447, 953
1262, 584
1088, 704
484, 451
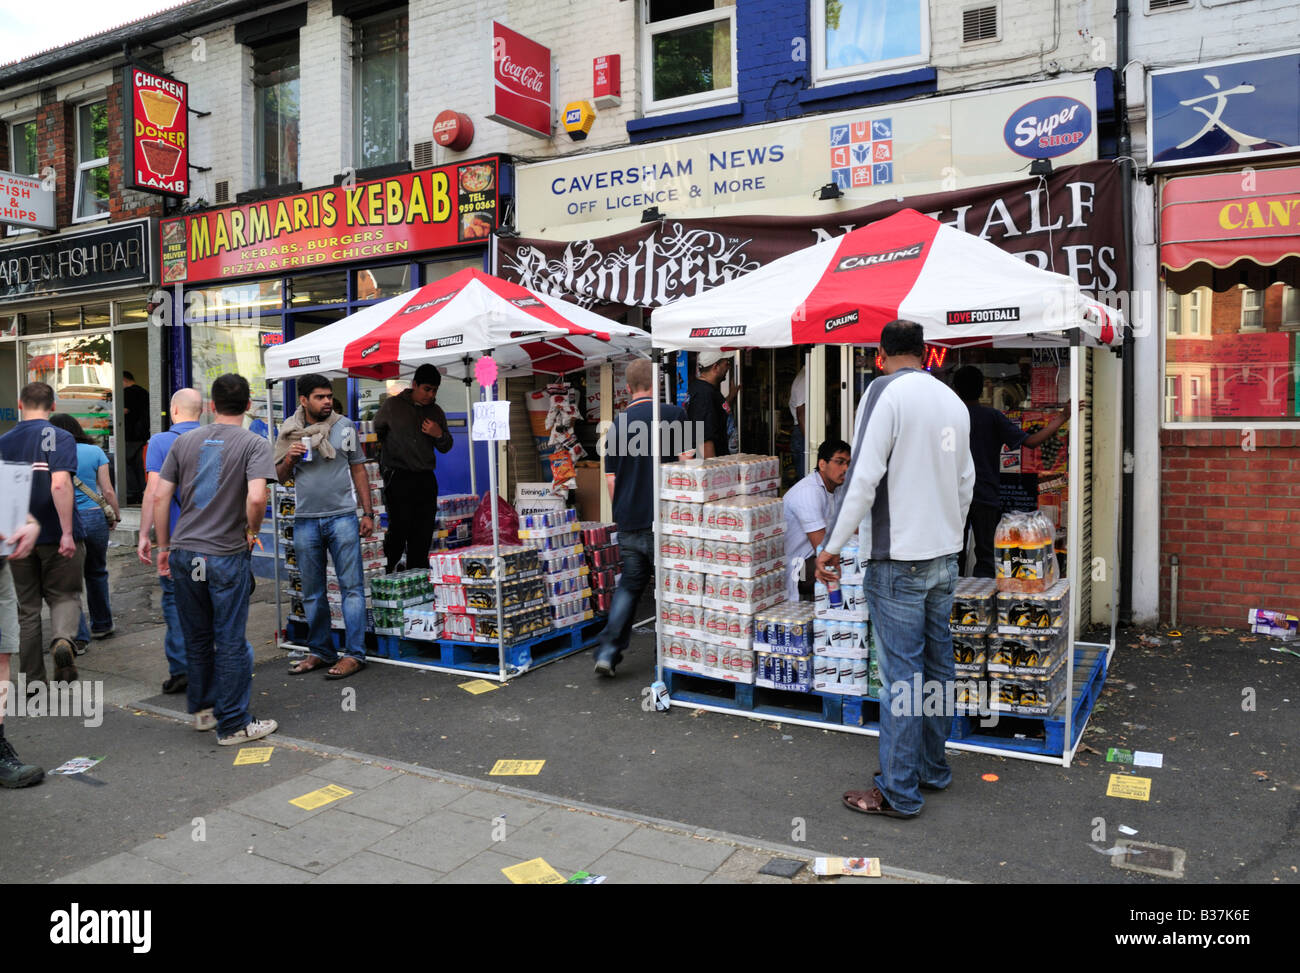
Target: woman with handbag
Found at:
97, 510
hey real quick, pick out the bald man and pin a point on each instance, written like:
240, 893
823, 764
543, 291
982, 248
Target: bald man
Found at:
186, 406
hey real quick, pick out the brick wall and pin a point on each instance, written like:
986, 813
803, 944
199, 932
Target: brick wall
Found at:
124, 204
1231, 515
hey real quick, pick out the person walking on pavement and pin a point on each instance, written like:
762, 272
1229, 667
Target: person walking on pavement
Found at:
52, 571
629, 474
186, 407
810, 507
707, 405
135, 417
92, 487
13, 772
319, 450
220, 472
910, 485
410, 426
990, 430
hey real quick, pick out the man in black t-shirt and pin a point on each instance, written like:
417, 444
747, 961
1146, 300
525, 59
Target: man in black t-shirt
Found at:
629, 473
990, 430
706, 404
135, 416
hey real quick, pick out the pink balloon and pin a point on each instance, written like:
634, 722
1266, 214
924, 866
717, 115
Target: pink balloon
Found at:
485, 370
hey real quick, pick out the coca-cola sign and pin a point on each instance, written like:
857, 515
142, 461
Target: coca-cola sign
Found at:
521, 82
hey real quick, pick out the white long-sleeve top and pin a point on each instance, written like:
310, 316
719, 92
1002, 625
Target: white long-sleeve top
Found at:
912, 477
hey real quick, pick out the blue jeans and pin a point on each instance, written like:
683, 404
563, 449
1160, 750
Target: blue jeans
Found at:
341, 536
637, 548
212, 593
95, 572
910, 602
174, 642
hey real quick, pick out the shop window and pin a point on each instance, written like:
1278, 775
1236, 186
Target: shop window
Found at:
275, 101
223, 348
22, 157
92, 162
11, 325
379, 97
861, 37
65, 318
372, 284
1231, 356
321, 289
239, 301
1252, 310
689, 52
80, 371
132, 312
437, 270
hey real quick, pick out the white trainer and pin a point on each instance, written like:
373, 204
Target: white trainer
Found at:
254, 731
204, 720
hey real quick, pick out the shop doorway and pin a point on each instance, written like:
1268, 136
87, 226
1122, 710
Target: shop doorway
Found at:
80, 371
301, 323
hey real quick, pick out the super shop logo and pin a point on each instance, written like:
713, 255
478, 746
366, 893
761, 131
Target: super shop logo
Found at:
1047, 127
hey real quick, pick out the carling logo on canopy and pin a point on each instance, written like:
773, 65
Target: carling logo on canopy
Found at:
425, 305
859, 260
842, 321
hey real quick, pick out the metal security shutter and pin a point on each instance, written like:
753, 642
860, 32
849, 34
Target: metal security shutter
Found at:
979, 24
1166, 4
1083, 587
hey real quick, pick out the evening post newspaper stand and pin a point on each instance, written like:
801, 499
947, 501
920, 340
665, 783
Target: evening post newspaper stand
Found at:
963, 291
453, 323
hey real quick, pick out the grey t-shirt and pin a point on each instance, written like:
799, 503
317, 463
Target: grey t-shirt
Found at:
211, 467
324, 486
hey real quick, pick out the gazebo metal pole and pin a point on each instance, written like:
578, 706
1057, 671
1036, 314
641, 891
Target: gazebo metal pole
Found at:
275, 514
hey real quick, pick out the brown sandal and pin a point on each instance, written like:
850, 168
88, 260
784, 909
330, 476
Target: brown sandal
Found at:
872, 802
346, 666
309, 664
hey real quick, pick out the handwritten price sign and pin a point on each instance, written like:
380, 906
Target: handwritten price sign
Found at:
491, 421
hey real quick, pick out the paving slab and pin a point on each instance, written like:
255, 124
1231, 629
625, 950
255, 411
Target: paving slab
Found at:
323, 841
251, 870
368, 868
442, 841
273, 804
353, 775
485, 869
490, 805
576, 839
405, 799
124, 869
224, 835
620, 868
677, 849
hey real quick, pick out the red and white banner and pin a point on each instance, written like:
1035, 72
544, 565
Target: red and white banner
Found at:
521, 83
454, 320
844, 291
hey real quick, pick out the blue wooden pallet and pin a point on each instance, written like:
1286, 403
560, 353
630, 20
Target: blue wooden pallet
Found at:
779, 704
481, 658
1038, 734
297, 633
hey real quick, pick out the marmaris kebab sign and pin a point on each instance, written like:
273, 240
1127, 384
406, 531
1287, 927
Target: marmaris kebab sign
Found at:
429, 209
157, 133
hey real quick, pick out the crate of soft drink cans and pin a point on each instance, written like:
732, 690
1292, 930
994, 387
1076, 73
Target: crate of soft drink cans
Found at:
736, 560
401, 590
684, 620
547, 523
845, 676
681, 517
456, 506
700, 480
706, 658
423, 624
388, 621
787, 628
743, 519
562, 562
571, 609
777, 670
515, 596
596, 534
514, 627
851, 598
474, 565
733, 630
1026, 655
609, 556
973, 606
843, 638
683, 587
1027, 696
743, 595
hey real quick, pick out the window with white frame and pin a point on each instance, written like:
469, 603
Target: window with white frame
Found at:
275, 106
861, 37
1290, 306
379, 98
1252, 310
1185, 313
688, 51
92, 188
1173, 317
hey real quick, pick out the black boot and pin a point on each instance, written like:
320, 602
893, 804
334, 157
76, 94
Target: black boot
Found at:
15, 773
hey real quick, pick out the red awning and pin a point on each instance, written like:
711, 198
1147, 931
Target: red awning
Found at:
1231, 228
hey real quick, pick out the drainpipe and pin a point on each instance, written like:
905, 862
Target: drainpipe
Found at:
1128, 372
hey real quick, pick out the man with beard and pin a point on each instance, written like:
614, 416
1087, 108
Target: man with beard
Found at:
318, 448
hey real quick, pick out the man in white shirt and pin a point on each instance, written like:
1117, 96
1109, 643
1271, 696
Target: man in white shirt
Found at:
799, 409
810, 509
910, 487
